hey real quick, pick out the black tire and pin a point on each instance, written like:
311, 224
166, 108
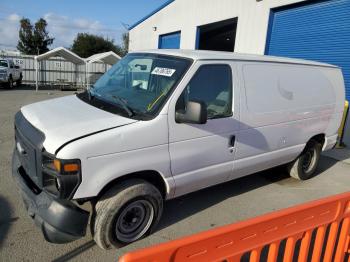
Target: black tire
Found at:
19, 81
9, 84
126, 213
305, 165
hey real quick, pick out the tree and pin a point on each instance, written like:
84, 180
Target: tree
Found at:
33, 40
125, 43
86, 45
25, 42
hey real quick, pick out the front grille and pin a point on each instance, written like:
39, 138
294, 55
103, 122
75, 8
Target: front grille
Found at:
27, 156
29, 182
30, 142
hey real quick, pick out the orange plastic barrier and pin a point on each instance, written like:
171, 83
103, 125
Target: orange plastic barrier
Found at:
315, 231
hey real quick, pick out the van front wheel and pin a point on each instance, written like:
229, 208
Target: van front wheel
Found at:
305, 165
126, 213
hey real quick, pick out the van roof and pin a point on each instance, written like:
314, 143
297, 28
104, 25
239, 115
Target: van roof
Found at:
219, 55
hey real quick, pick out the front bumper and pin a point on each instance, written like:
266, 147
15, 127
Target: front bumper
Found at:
3, 79
59, 220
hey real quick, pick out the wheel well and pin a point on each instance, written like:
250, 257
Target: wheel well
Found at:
320, 138
151, 176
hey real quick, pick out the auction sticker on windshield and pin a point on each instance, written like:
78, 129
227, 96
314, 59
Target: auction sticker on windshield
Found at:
163, 71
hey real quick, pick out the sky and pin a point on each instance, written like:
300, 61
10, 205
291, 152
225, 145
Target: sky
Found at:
66, 18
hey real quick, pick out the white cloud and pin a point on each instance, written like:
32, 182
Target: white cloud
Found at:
64, 29
14, 18
9, 31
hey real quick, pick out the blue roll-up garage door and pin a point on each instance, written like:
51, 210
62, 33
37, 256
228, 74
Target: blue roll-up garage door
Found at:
170, 41
318, 31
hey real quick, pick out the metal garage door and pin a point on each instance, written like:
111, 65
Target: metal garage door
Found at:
169, 41
317, 31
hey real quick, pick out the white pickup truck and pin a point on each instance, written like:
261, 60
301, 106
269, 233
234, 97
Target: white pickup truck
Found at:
10, 73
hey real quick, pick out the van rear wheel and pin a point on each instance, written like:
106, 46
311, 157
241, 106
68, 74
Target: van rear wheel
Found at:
126, 213
305, 165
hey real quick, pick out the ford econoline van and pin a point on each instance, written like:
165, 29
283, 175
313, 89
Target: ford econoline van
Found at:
160, 124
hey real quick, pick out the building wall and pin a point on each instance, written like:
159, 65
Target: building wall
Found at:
186, 15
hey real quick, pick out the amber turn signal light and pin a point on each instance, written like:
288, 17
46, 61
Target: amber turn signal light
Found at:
57, 165
65, 168
71, 168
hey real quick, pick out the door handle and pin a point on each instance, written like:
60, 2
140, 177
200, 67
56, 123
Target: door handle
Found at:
232, 140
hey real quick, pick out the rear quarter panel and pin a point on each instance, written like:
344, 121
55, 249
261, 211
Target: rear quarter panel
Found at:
282, 107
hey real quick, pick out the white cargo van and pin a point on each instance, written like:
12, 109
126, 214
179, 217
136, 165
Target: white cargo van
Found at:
164, 123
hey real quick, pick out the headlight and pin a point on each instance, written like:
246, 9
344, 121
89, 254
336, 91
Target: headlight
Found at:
65, 167
61, 177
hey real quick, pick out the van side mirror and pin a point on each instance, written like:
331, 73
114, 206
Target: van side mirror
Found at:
196, 113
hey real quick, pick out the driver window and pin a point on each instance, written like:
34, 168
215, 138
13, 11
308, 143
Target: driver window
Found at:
211, 84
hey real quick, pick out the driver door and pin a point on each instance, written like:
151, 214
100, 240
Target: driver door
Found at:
202, 154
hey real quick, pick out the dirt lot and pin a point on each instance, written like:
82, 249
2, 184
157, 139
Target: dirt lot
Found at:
257, 194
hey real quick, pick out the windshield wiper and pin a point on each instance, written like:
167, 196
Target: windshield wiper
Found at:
126, 108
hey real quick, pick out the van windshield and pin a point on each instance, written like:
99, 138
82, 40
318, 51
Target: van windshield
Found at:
140, 83
3, 63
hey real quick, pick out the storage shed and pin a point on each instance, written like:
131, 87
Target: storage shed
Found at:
108, 58
57, 52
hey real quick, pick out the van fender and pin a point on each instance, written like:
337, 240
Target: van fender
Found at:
165, 185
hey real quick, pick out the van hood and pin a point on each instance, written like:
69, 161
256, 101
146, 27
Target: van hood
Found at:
69, 118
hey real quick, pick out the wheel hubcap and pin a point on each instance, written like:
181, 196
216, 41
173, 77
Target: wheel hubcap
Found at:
134, 221
309, 160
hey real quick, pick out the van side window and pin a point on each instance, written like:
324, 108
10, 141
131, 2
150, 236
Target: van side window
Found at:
211, 84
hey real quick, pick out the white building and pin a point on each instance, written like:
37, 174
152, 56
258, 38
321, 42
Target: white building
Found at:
310, 29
